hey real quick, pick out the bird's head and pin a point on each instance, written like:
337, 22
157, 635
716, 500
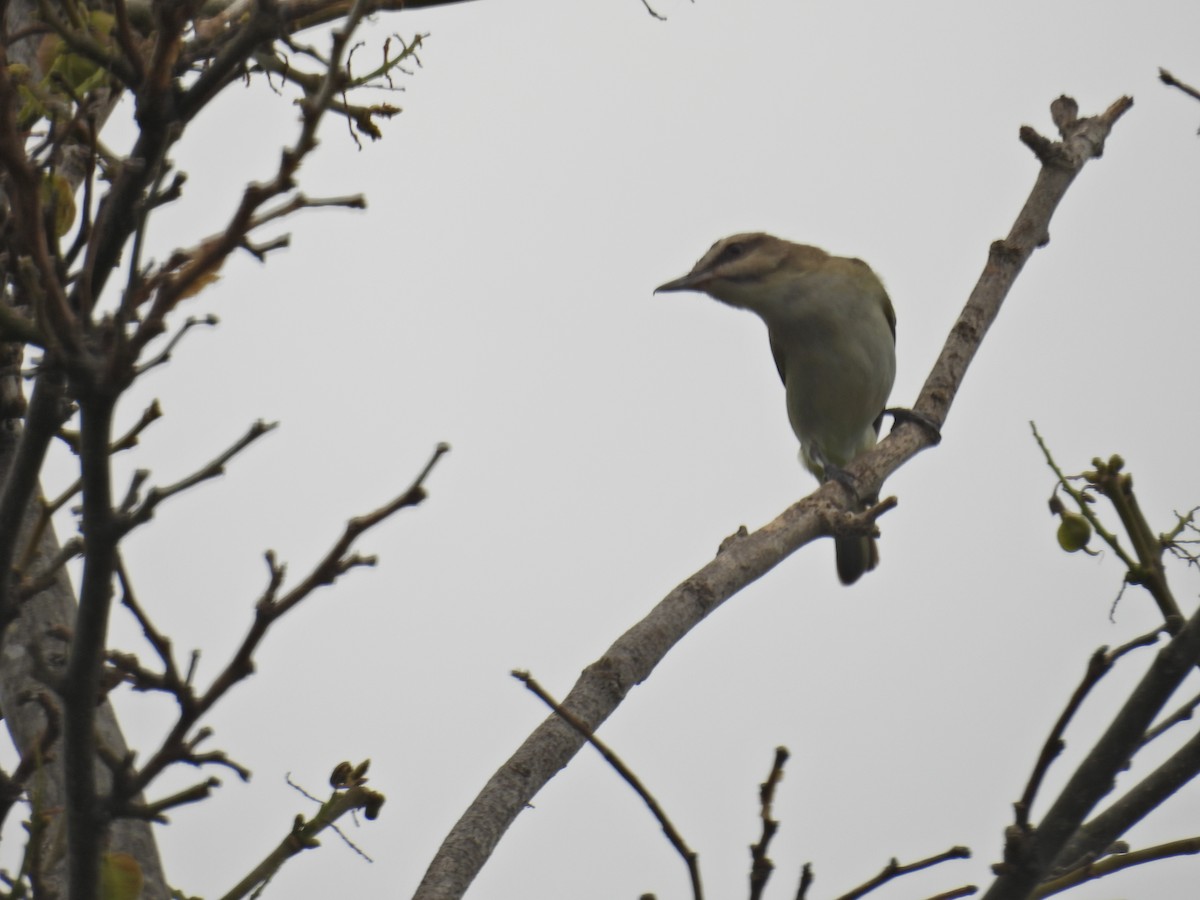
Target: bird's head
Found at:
748, 270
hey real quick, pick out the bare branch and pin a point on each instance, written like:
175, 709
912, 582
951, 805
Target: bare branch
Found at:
81, 684
169, 678
1110, 479
33, 760
1081, 501
1117, 863
632, 657
154, 812
1052, 845
303, 834
269, 608
690, 858
1098, 666
47, 510
212, 469
1095, 837
895, 870
33, 584
965, 891
45, 415
653, 14
201, 266
1171, 81
1183, 714
806, 880
760, 866
165, 357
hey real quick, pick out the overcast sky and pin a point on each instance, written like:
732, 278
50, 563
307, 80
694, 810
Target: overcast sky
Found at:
553, 163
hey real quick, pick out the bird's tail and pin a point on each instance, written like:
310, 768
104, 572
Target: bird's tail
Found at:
855, 555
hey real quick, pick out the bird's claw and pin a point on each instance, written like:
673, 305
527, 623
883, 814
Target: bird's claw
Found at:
844, 478
902, 414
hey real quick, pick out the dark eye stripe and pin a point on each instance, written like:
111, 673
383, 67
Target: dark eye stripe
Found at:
730, 253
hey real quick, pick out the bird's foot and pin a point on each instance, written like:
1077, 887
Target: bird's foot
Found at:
844, 478
902, 414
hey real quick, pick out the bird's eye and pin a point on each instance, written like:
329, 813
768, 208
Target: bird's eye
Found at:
731, 252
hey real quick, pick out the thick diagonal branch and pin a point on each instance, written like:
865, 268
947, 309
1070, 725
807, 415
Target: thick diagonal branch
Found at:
634, 655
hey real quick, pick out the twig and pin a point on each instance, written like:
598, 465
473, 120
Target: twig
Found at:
760, 866
965, 891
154, 812
1095, 837
32, 585
303, 834
33, 760
336, 781
41, 422
164, 357
1183, 714
1081, 501
297, 202
212, 469
1175, 543
1048, 847
1146, 567
895, 870
1098, 666
42, 753
269, 608
806, 880
158, 641
203, 264
690, 859
1117, 486
155, 196
653, 14
1168, 79
218, 758
48, 509
127, 43
337, 560
1117, 863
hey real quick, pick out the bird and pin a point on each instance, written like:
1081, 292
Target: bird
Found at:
832, 331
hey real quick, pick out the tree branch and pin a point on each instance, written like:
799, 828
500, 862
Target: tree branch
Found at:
631, 659
81, 684
1171, 81
1047, 848
1117, 863
895, 870
269, 608
213, 469
690, 857
303, 835
42, 421
1095, 837
1098, 666
760, 865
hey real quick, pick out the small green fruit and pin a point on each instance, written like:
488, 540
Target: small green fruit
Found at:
1074, 532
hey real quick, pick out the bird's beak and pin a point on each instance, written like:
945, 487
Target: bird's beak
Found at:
689, 282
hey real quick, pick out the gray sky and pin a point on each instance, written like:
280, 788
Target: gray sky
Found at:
554, 162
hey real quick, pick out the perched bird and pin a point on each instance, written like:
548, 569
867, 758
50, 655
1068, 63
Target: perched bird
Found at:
833, 334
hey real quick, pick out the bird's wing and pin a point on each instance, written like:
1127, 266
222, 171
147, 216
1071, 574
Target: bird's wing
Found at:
778, 354
890, 313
